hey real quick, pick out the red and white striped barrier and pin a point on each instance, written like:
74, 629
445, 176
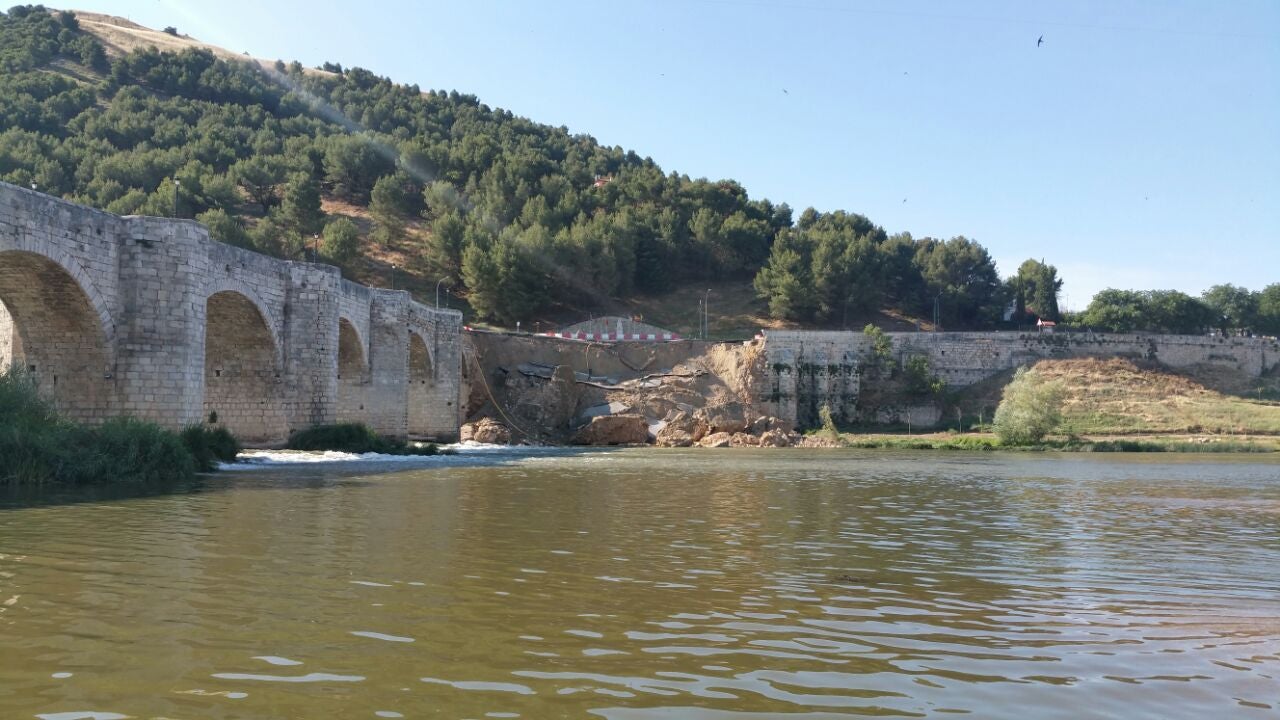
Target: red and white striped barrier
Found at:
612, 337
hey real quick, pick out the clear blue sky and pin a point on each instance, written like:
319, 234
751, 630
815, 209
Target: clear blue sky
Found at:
1139, 147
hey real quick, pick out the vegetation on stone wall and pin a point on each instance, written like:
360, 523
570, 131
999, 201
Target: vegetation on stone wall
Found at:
38, 447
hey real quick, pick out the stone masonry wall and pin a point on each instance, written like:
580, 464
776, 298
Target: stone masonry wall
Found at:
806, 370
435, 398
150, 317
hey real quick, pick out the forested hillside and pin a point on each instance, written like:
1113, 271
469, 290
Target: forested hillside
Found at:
518, 216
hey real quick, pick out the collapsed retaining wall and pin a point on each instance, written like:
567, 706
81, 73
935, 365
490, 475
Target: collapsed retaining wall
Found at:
806, 370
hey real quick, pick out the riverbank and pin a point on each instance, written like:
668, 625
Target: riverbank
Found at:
38, 446
1094, 443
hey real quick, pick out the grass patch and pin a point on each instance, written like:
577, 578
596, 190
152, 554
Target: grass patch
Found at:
38, 447
1119, 396
355, 438
210, 446
957, 442
982, 443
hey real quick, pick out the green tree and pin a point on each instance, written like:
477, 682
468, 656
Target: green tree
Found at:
1036, 288
501, 279
388, 204
962, 276
784, 281
1237, 308
260, 178
1030, 408
1269, 309
1171, 311
341, 240
301, 204
446, 242
225, 228
353, 163
1117, 311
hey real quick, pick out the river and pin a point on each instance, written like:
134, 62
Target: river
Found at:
638, 584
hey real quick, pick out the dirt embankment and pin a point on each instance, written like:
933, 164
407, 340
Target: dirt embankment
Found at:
1118, 396
546, 390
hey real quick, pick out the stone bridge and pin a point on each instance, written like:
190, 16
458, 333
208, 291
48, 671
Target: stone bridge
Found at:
149, 317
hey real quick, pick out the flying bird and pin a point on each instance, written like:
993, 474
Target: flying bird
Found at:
1040, 41
784, 91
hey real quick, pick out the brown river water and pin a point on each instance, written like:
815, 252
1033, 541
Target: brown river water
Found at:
640, 584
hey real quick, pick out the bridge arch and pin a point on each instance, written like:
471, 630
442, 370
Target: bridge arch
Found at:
231, 285
54, 324
243, 372
353, 374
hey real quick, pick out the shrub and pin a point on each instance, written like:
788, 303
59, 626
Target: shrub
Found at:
1030, 408
209, 446
829, 428
881, 344
341, 240
125, 450
354, 438
38, 446
918, 379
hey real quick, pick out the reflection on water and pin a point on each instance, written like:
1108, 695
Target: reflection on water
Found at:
657, 584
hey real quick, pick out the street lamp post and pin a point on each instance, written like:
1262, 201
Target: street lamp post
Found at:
706, 315
438, 292
177, 186
935, 311
393, 277
315, 247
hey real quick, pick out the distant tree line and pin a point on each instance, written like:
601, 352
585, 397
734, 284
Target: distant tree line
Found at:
1224, 308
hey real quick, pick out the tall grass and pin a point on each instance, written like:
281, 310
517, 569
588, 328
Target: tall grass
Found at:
354, 438
39, 447
210, 446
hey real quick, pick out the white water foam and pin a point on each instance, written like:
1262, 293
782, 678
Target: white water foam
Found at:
456, 453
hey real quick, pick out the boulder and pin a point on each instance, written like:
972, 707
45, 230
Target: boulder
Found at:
487, 431
613, 430
730, 417
673, 437
681, 430
745, 440
610, 408
716, 440
775, 438
780, 424
760, 425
